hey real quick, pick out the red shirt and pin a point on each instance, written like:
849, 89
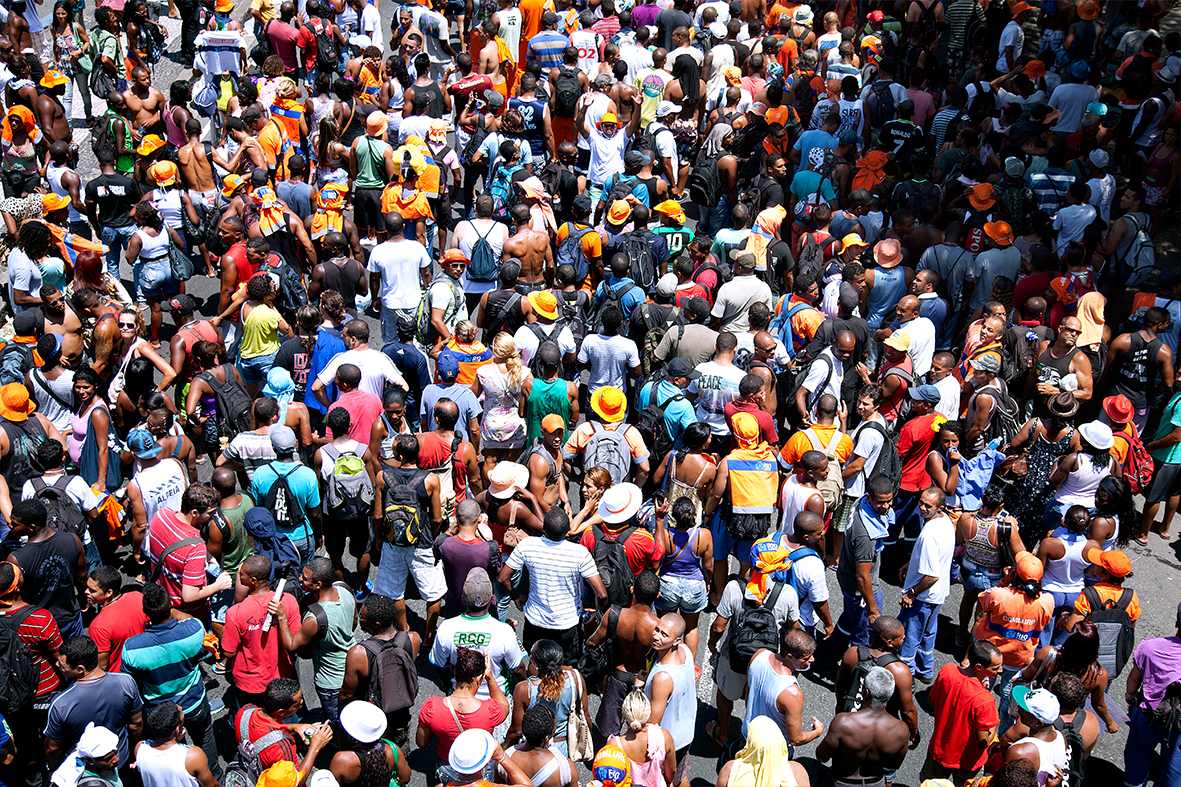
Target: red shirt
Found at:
435, 452
767, 433
283, 38
41, 636
307, 41
693, 290
259, 659
1033, 285
284, 749
914, 443
237, 255
438, 719
962, 707
641, 547
364, 408
185, 566
118, 622
472, 82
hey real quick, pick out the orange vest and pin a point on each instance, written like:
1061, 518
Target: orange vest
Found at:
754, 480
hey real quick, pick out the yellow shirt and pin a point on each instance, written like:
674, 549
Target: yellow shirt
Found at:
265, 7
260, 332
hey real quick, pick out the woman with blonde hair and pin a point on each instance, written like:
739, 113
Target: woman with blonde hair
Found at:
648, 746
763, 761
502, 432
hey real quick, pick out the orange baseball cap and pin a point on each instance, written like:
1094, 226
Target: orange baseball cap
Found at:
1029, 567
1113, 561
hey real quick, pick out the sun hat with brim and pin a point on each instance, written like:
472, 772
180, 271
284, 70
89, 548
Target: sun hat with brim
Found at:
376, 123
1113, 561
544, 303
888, 253
1064, 405
980, 196
620, 503
364, 721
672, 209
620, 212
608, 118
1087, 10
853, 240
455, 255
999, 231
163, 172
230, 184
1098, 435
1039, 703
53, 78
1017, 9
1119, 409
609, 402
803, 15
471, 751
281, 774
15, 404
150, 144
745, 427
506, 479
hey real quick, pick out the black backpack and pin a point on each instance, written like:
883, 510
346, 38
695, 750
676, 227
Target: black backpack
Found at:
654, 428
613, 298
15, 362
567, 90
1020, 354
597, 661
64, 516
292, 294
611, 559
393, 677
20, 676
654, 332
889, 462
542, 340
638, 249
327, 55
854, 698
404, 518
570, 315
104, 137
211, 237
1117, 631
881, 102
234, 404
479, 134
1076, 750
283, 504
262, 50
752, 629
705, 182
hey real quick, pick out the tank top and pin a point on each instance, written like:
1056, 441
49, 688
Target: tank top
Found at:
176, 134
1051, 755
164, 768
342, 277
1080, 486
496, 304
795, 498
354, 122
198, 331
681, 712
48, 567
54, 175
1086, 35
545, 397
79, 426
52, 397
169, 206
533, 114
370, 154
888, 288
560, 707
677, 488
161, 486
953, 499
1159, 168
331, 647
436, 107
557, 764
387, 442
435, 451
651, 771
979, 549
1135, 372
155, 248
1051, 368
239, 546
1065, 575
680, 561
764, 685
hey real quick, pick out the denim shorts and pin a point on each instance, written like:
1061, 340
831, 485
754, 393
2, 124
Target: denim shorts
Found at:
682, 594
254, 370
977, 578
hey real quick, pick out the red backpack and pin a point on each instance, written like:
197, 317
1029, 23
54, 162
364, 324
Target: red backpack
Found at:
1138, 463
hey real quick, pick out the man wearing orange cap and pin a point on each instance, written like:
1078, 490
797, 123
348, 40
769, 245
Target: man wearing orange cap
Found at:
608, 140
372, 162
445, 296
1000, 258
609, 405
1012, 38
51, 115
1111, 568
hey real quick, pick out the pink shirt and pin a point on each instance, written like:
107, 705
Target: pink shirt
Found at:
924, 106
364, 408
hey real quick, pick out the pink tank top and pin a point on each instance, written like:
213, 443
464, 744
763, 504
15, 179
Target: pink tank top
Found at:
650, 773
176, 134
80, 426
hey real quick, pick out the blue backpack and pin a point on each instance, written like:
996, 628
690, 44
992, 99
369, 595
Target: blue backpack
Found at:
484, 266
501, 189
570, 252
788, 574
780, 327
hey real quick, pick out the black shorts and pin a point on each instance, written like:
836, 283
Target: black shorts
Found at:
1166, 482
367, 209
357, 531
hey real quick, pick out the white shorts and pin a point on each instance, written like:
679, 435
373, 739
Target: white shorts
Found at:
399, 562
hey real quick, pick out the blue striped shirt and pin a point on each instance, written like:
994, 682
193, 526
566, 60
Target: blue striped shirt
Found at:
547, 47
1049, 189
164, 662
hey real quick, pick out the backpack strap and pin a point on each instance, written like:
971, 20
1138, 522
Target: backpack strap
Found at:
773, 596
1125, 598
1093, 599
321, 619
174, 546
43, 383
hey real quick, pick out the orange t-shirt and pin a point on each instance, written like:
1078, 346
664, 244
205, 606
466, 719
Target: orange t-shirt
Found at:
413, 207
1122, 447
1108, 593
1012, 622
799, 443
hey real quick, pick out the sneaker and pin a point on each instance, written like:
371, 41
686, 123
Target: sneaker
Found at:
216, 705
364, 592
926, 680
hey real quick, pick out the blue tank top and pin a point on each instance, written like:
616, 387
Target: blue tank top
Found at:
683, 562
533, 113
889, 286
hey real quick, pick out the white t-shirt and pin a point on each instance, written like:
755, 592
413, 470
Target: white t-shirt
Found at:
922, 344
527, 341
817, 371
376, 370
371, 25
949, 397
556, 572
606, 157
722, 7
76, 489
867, 443
23, 275
399, 262
828, 44
587, 43
435, 29
932, 558
809, 577
485, 634
666, 146
1102, 195
1012, 36
716, 388
637, 58
610, 359
1071, 221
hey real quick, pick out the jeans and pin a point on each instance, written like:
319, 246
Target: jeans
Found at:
1004, 689
116, 239
330, 702
1062, 601
305, 545
716, 217
254, 370
199, 724
854, 619
68, 97
1143, 738
389, 321
918, 651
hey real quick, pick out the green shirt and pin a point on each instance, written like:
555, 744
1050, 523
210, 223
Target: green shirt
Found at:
1169, 421
370, 163
238, 547
331, 647
545, 398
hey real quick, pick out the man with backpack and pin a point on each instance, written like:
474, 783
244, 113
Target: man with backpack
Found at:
320, 43
545, 330
1111, 606
569, 84
752, 616
23, 431
265, 737
70, 503
290, 490
621, 548
888, 635
665, 395
860, 560
345, 467
806, 572
503, 308
607, 441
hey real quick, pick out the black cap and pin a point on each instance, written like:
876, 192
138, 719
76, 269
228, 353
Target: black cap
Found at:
582, 203
680, 367
698, 307
28, 322
182, 303
550, 18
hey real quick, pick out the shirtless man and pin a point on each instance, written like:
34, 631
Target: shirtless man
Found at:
888, 635
925, 233
634, 627
61, 319
196, 171
546, 481
534, 251
621, 93
866, 744
51, 115
489, 63
610, 58
18, 28
753, 9
144, 105
105, 337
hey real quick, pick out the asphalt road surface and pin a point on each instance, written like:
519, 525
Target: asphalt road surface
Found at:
1156, 569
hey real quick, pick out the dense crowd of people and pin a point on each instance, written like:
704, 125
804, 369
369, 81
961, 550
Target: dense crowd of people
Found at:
681, 305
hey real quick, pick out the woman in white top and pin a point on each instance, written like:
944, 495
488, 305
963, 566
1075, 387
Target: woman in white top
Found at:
1062, 554
1076, 479
163, 762
147, 254
132, 345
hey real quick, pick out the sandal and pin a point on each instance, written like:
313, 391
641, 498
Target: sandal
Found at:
711, 730
1141, 542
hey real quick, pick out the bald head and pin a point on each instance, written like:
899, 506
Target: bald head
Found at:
908, 307
846, 341
257, 567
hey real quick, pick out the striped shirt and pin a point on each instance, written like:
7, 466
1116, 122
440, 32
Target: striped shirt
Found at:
40, 634
956, 17
164, 662
547, 47
184, 566
556, 571
1049, 189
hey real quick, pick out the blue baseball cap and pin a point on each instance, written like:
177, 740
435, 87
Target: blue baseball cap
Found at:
143, 444
447, 367
925, 393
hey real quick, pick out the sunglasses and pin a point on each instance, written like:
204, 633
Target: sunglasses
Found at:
129, 325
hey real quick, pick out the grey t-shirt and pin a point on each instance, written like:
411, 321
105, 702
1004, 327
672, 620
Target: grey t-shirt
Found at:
108, 701
610, 359
858, 547
787, 606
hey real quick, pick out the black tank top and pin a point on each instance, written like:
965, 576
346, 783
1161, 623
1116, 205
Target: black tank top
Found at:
498, 301
48, 567
18, 464
1135, 371
436, 107
1051, 369
340, 274
356, 124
